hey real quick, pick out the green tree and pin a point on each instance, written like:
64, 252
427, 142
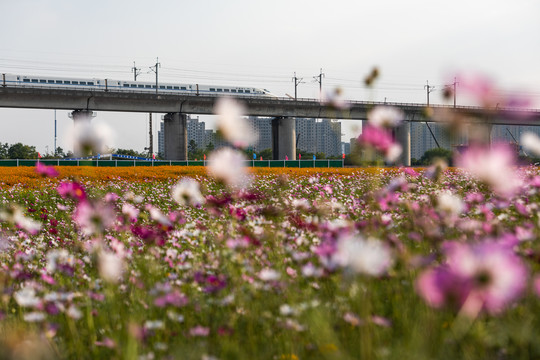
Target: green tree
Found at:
21, 151
436, 153
210, 147
130, 152
4, 150
266, 154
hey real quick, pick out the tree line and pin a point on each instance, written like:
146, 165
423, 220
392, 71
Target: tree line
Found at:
22, 151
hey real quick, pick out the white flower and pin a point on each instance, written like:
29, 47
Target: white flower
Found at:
385, 117
131, 211
111, 266
449, 203
269, 275
370, 257
36, 316
531, 142
158, 216
26, 297
90, 137
74, 313
393, 153
227, 165
187, 192
14, 214
233, 126
154, 324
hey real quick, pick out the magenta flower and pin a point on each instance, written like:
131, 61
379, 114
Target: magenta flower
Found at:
72, 190
381, 140
47, 171
485, 276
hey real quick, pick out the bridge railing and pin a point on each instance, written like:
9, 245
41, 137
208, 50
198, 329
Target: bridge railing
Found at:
319, 163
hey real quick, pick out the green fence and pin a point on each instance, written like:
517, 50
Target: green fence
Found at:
132, 163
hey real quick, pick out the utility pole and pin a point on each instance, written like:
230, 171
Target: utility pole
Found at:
454, 84
429, 89
318, 78
136, 71
151, 137
155, 69
297, 81
55, 132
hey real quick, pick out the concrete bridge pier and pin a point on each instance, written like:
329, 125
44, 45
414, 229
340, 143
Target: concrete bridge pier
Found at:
480, 133
403, 137
284, 138
175, 136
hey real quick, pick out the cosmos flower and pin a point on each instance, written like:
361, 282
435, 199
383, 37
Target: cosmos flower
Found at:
90, 138
14, 214
486, 276
369, 257
111, 266
47, 171
234, 128
26, 297
187, 192
227, 165
385, 117
531, 142
94, 217
74, 190
493, 165
381, 140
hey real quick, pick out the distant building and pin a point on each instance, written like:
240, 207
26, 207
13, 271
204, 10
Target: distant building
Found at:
426, 137
319, 135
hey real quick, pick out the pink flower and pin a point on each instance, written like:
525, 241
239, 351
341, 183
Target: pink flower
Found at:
485, 276
47, 171
381, 140
494, 166
72, 190
93, 218
199, 331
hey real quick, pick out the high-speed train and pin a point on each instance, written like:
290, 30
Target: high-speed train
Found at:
129, 86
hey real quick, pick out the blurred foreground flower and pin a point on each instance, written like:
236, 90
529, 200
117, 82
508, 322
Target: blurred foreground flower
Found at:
485, 276
90, 138
385, 117
187, 192
14, 214
370, 257
111, 266
47, 171
493, 165
233, 126
531, 143
381, 140
227, 165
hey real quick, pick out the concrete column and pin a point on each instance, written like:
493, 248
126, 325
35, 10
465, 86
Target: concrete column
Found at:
403, 137
480, 133
175, 136
284, 138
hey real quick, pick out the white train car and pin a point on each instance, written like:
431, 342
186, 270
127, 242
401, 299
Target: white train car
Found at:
129, 86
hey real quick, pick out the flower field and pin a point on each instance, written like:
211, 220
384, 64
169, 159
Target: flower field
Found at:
293, 264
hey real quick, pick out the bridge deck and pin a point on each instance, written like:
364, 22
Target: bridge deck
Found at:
54, 98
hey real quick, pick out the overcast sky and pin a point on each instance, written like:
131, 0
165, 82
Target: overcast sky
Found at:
262, 44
